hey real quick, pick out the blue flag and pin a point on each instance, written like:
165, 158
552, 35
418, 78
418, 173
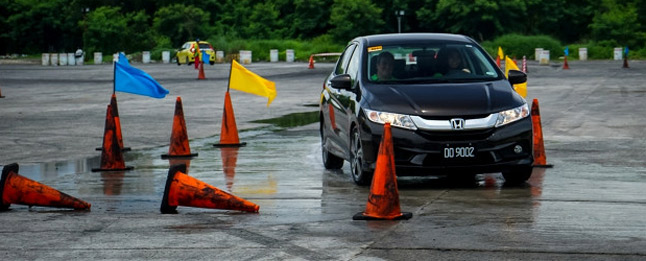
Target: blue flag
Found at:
626, 51
132, 80
205, 57
567, 51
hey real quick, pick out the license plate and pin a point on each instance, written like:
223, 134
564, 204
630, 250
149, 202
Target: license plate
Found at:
458, 152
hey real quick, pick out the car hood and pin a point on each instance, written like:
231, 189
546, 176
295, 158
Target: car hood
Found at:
451, 99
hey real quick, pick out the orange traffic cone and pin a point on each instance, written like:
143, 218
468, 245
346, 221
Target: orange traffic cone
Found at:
1, 94
229, 131
565, 65
179, 146
383, 202
16, 189
184, 190
539, 148
498, 62
111, 156
311, 66
229, 161
625, 63
117, 122
200, 75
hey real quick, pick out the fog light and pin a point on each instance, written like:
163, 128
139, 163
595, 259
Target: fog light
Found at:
518, 149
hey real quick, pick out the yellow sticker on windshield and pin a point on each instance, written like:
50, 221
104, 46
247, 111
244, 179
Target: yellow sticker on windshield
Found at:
374, 48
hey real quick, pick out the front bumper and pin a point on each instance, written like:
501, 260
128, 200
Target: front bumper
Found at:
419, 153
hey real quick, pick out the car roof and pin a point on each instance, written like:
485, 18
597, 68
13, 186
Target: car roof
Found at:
386, 39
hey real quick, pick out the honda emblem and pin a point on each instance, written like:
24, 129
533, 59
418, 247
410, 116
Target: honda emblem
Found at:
457, 124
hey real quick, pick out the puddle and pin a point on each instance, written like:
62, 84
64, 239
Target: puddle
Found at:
293, 119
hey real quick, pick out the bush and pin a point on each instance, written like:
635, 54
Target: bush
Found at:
515, 45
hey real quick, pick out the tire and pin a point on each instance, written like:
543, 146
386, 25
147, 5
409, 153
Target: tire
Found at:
187, 62
360, 176
177, 58
517, 176
211, 63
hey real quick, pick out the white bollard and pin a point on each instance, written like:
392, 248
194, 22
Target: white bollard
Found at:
617, 54
115, 57
54, 59
289, 55
62, 59
165, 57
145, 56
45, 59
545, 57
537, 54
583, 54
219, 56
245, 57
70, 59
98, 58
273, 55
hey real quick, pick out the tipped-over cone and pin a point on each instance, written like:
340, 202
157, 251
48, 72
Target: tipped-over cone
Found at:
184, 190
539, 148
179, 146
111, 156
229, 132
383, 202
16, 189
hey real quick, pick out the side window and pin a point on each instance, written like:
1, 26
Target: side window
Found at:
343, 61
353, 67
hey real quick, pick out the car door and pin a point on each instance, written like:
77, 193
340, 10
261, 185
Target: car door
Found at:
336, 115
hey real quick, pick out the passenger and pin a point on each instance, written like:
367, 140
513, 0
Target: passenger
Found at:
385, 65
452, 62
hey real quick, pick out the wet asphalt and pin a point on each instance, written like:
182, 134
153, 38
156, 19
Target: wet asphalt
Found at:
589, 206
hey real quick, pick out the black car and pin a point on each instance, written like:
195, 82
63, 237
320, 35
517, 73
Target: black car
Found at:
452, 111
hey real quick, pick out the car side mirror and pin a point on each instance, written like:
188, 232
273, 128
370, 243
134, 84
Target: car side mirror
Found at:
342, 81
516, 77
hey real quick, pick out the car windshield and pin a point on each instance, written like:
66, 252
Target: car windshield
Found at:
205, 46
433, 62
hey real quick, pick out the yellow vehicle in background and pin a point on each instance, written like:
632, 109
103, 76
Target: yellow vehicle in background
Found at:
186, 53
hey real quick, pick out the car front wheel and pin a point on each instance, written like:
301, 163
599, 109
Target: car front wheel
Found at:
360, 176
517, 176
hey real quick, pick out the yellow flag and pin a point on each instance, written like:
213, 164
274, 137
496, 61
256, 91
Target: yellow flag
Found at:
519, 88
501, 55
247, 81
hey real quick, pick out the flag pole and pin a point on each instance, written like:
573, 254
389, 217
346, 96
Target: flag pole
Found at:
230, 69
114, 78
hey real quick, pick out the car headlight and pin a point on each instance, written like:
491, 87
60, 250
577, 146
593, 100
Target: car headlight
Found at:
396, 120
509, 116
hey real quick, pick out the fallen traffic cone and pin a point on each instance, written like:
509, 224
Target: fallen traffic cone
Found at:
117, 122
383, 202
625, 63
565, 65
229, 161
200, 75
311, 66
179, 146
229, 131
184, 190
16, 189
111, 156
539, 148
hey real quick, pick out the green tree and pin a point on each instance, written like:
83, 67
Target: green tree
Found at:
263, 21
140, 34
310, 18
181, 23
618, 22
105, 29
351, 18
